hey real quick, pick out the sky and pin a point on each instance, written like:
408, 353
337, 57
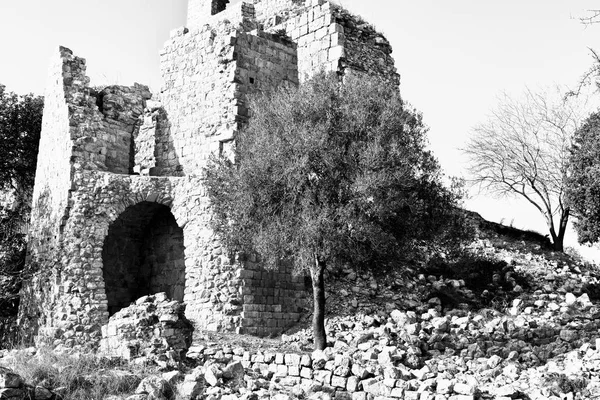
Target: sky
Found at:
454, 57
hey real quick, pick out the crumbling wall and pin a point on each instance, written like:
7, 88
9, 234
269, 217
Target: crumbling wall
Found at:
53, 172
198, 97
202, 12
208, 73
154, 125
199, 10
366, 51
122, 108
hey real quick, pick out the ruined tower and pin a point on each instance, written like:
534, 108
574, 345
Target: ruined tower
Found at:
119, 207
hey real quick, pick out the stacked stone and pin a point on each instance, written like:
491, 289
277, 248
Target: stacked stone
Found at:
154, 327
272, 300
320, 39
144, 140
226, 64
365, 50
122, 108
199, 61
202, 12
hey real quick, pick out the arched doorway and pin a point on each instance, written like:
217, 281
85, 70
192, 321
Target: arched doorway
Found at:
143, 254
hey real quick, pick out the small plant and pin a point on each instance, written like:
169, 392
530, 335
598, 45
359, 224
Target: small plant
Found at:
78, 376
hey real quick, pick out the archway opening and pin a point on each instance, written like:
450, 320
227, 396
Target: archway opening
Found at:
143, 254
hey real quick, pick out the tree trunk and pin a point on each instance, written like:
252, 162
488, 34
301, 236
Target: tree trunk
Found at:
318, 286
557, 244
558, 239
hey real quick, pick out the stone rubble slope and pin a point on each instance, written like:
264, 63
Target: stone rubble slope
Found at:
543, 342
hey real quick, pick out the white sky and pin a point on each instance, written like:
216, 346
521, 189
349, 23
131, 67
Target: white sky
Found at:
454, 57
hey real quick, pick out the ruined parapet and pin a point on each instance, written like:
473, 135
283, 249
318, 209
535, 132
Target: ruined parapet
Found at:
366, 51
54, 169
122, 108
208, 74
211, 12
200, 10
327, 36
154, 122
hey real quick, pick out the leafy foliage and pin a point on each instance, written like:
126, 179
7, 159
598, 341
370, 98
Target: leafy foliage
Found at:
336, 171
330, 174
583, 187
20, 127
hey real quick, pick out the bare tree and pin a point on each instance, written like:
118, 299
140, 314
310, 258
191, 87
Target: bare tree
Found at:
523, 149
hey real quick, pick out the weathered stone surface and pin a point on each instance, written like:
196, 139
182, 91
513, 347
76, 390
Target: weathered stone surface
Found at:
41, 393
155, 387
12, 394
9, 379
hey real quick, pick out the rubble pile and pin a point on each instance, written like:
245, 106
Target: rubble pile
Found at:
391, 338
153, 327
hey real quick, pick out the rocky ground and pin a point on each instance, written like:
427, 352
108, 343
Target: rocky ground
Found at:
513, 321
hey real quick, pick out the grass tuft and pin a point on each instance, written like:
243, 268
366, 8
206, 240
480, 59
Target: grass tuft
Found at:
80, 377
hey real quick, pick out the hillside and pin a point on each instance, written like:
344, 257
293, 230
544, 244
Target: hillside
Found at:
508, 319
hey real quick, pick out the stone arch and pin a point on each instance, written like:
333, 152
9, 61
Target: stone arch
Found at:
143, 253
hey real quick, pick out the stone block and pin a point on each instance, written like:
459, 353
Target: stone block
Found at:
338, 382
9, 379
12, 394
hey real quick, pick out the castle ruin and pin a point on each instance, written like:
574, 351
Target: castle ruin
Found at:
119, 207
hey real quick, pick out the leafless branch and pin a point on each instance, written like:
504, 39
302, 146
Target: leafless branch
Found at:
523, 147
593, 17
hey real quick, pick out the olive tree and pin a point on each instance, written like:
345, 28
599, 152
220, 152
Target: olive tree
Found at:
329, 174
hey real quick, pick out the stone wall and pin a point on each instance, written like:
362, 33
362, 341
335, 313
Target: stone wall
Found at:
327, 36
208, 73
53, 173
122, 108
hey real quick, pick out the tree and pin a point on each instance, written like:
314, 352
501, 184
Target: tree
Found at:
583, 185
523, 148
329, 174
20, 128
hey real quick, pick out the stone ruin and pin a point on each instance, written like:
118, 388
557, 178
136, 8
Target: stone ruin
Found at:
119, 207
